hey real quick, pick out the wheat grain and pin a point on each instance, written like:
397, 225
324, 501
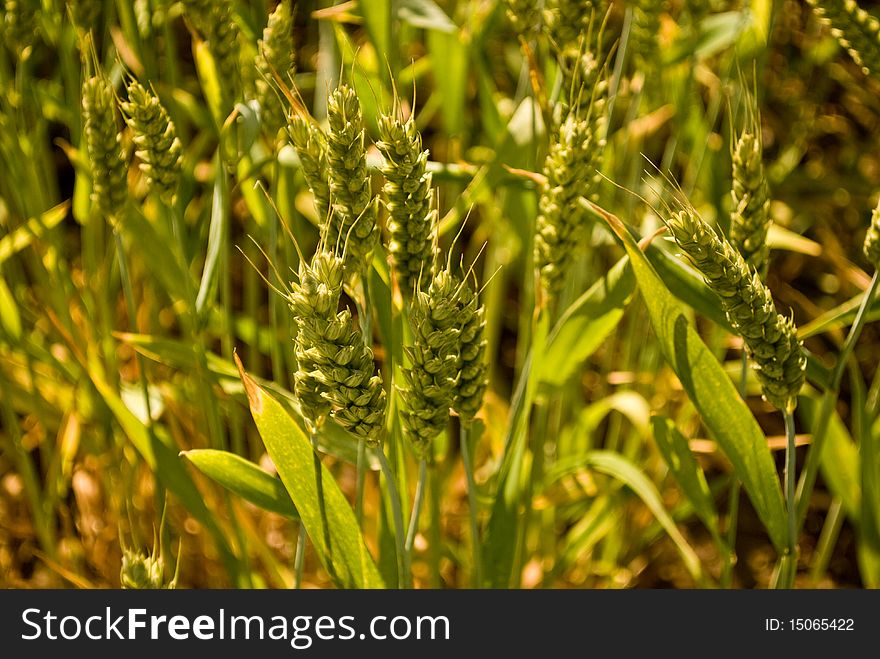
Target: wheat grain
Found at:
214, 19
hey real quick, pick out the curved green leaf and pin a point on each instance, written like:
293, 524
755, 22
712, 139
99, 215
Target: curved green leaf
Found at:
677, 454
586, 324
329, 520
245, 479
218, 232
618, 467
10, 319
712, 392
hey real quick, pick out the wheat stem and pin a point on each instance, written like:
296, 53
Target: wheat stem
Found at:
299, 557
473, 511
404, 575
413, 527
790, 569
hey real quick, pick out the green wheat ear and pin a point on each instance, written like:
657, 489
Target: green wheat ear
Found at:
335, 372
311, 147
857, 31
155, 139
314, 300
448, 359
566, 21
276, 56
644, 31
18, 21
142, 572
214, 20
412, 220
472, 380
770, 339
570, 174
351, 384
104, 147
750, 218
352, 224
431, 381
872, 239
524, 16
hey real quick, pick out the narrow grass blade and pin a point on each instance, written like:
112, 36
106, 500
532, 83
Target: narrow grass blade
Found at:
451, 53
245, 479
342, 550
10, 319
24, 235
217, 236
332, 439
425, 14
677, 454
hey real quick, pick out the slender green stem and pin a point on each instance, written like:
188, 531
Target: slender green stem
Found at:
319, 486
413, 527
733, 498
732, 522
299, 557
829, 402
132, 322
191, 323
435, 531
790, 502
359, 484
403, 568
827, 540
472, 504
362, 303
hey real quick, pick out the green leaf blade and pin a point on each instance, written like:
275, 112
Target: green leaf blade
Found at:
330, 521
245, 479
